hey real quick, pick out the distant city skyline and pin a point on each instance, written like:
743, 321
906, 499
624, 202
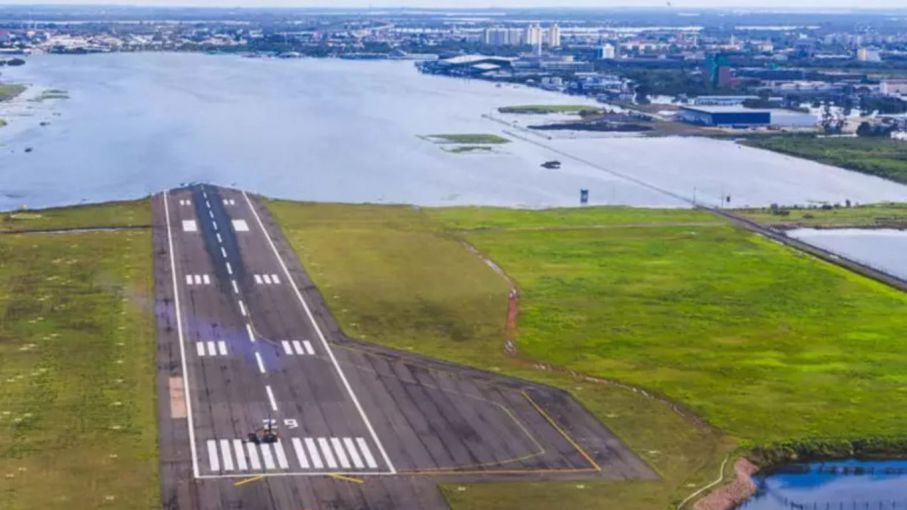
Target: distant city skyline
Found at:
674, 4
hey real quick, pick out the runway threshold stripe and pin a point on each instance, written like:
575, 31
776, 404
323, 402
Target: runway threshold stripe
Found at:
286, 347
222, 347
253, 456
367, 453
198, 279
240, 455
213, 459
327, 453
206, 279
267, 279
276, 279
261, 364
313, 453
354, 454
258, 279
341, 453
281, 455
200, 348
212, 348
300, 453
267, 457
188, 279
225, 450
298, 347
308, 347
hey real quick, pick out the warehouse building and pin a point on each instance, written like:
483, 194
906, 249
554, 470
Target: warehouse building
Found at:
725, 116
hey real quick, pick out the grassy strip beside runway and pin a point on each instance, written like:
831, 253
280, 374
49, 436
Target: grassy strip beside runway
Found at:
78, 426
395, 275
875, 215
761, 341
113, 214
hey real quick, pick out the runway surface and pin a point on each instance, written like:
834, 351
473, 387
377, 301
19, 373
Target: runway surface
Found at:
245, 339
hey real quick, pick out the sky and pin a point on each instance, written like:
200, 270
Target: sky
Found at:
675, 4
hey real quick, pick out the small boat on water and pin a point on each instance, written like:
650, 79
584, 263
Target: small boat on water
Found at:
551, 165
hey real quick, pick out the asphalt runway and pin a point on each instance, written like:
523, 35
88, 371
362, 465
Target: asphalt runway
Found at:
244, 338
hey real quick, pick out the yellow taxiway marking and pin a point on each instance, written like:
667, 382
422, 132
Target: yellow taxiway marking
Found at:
248, 480
346, 478
562, 432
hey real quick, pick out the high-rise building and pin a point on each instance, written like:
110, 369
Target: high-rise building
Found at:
868, 55
608, 52
532, 35
498, 36
554, 36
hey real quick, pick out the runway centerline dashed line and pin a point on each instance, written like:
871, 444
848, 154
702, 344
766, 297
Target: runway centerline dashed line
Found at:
271, 397
261, 364
250, 332
242, 307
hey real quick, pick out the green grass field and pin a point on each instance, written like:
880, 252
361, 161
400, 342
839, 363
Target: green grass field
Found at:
541, 109
112, 214
873, 215
767, 344
9, 91
882, 157
78, 426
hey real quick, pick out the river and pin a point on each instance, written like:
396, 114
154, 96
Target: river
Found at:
882, 249
336, 130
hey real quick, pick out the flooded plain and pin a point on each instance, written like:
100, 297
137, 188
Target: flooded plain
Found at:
882, 249
846, 485
350, 131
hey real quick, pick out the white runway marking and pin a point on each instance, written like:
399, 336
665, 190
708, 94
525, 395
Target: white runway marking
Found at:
242, 307
235, 287
286, 347
300, 453
281, 456
271, 397
200, 348
253, 456
249, 331
240, 226
341, 454
369, 460
240, 455
354, 454
223, 251
212, 348
308, 347
267, 279
185, 202
276, 279
219, 238
321, 337
198, 279
222, 347
188, 279
214, 224
327, 453
213, 459
211, 213
227, 453
229, 269
190, 226
313, 453
266, 456
258, 279
208, 204
182, 340
229, 201
261, 365
206, 279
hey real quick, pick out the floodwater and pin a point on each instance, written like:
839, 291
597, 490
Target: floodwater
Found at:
882, 485
882, 249
335, 130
